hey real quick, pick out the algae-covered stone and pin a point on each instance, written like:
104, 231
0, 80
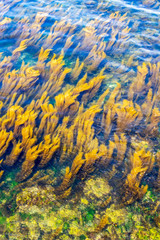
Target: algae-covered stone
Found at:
13, 228
76, 229
96, 188
34, 229
35, 196
118, 216
142, 232
67, 213
50, 222
64, 237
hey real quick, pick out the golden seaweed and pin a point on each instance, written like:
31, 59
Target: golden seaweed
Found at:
140, 163
49, 109
103, 222
29, 162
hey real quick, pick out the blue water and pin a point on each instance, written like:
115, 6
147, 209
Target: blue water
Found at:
143, 20
89, 25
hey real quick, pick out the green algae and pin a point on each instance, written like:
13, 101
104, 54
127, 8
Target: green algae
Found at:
25, 216
36, 206
66, 226
2, 220
142, 232
82, 237
89, 217
125, 222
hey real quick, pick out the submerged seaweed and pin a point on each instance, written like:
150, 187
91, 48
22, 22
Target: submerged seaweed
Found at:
67, 132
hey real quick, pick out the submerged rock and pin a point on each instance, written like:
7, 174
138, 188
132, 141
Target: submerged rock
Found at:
36, 197
96, 188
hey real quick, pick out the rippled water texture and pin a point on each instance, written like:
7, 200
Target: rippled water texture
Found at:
79, 120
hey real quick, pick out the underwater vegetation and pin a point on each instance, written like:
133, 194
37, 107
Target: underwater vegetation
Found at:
67, 133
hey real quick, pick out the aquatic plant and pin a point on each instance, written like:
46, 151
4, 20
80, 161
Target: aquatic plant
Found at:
37, 131
57, 110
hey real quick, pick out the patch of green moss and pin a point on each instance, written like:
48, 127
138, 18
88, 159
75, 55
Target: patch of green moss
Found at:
82, 237
2, 195
10, 227
88, 214
12, 184
128, 226
150, 196
89, 217
25, 216
66, 226
28, 216
2, 220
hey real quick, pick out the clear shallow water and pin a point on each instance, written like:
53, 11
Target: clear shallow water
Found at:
111, 190
143, 38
